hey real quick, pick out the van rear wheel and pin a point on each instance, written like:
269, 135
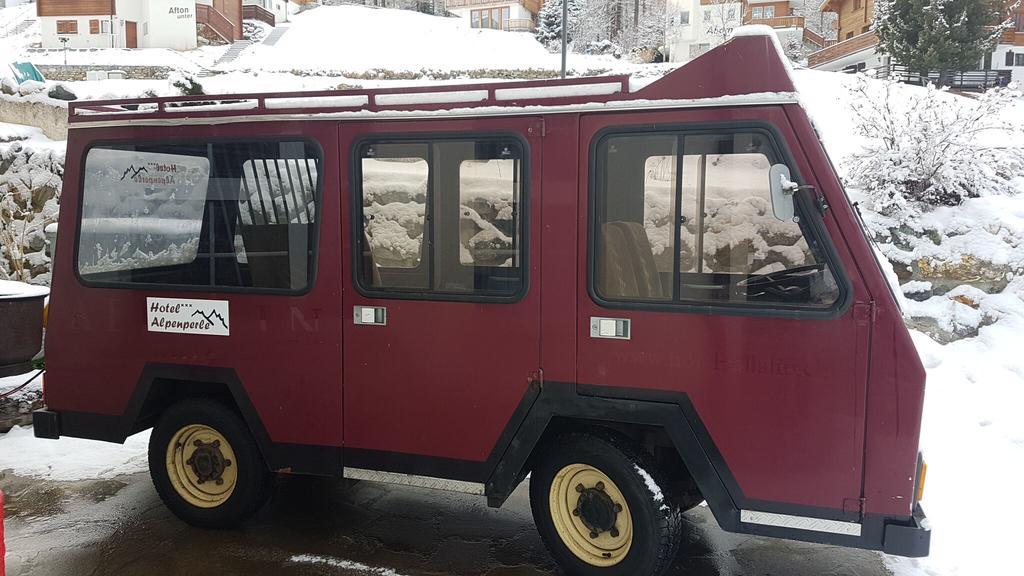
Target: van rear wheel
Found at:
206, 466
599, 508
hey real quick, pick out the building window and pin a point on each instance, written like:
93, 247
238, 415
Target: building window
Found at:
1018, 60
856, 5
707, 16
234, 215
67, 26
684, 18
769, 12
441, 217
849, 35
94, 26
731, 13
756, 13
687, 219
494, 18
105, 26
145, 28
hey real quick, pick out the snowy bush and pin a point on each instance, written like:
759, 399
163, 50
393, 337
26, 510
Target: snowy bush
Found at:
30, 183
187, 83
931, 148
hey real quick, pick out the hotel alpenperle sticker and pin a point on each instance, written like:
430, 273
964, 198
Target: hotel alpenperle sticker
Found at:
188, 316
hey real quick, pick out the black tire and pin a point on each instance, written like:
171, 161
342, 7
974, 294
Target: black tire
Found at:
254, 480
656, 518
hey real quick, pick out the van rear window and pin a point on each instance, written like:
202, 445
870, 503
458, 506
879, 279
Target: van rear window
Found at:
233, 215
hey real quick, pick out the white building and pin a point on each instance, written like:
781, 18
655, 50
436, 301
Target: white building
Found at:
135, 23
695, 26
508, 15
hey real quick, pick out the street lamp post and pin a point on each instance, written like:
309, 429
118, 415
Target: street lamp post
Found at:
565, 27
64, 41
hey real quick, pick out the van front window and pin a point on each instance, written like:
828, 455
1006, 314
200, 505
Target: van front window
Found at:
688, 218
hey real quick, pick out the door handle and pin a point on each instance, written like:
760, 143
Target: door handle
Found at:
613, 328
370, 315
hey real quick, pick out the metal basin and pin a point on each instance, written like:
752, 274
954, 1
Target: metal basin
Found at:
21, 326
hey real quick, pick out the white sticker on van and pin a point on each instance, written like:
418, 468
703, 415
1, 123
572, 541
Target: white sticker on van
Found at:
186, 316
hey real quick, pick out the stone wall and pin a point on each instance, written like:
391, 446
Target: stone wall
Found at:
51, 119
76, 73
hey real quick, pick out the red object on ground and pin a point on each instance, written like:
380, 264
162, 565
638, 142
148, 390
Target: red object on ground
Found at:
3, 549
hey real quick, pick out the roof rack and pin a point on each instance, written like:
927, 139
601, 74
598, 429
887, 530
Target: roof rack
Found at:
425, 98
747, 64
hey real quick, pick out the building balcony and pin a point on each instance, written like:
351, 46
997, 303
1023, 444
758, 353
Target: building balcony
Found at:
518, 25
776, 22
838, 50
449, 4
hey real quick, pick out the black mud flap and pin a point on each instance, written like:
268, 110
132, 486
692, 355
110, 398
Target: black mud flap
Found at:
912, 539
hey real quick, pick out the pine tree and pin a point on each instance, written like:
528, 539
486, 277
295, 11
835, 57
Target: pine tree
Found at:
945, 36
549, 21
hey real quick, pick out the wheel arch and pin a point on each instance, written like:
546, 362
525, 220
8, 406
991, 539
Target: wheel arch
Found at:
660, 421
162, 385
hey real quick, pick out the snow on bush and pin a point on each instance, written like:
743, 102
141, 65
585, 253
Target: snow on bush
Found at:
30, 184
930, 148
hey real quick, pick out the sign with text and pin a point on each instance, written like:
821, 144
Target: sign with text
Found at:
187, 316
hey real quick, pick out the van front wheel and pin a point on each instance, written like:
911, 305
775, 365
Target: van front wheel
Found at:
206, 466
599, 508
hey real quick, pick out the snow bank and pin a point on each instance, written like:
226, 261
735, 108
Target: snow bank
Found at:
11, 289
973, 433
71, 458
973, 440
350, 38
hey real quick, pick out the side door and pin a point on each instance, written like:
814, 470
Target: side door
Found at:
694, 289
442, 290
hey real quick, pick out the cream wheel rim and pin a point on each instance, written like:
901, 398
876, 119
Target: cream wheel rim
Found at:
202, 466
590, 515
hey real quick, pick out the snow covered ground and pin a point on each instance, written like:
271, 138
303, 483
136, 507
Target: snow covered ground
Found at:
973, 431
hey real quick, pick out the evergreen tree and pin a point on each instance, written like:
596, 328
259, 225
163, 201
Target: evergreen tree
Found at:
549, 21
946, 36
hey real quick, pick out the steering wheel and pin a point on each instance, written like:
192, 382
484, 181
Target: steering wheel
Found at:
775, 282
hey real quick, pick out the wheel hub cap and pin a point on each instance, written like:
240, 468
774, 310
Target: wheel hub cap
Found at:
597, 510
207, 462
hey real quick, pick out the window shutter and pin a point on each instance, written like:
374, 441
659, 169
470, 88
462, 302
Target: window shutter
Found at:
94, 26
1009, 58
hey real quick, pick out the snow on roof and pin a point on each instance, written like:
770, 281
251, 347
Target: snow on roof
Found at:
762, 30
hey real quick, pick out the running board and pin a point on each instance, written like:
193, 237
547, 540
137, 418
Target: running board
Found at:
800, 522
417, 481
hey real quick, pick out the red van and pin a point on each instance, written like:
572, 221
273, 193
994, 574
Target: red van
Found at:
640, 298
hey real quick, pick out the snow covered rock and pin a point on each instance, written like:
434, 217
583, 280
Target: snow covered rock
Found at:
31, 87
60, 92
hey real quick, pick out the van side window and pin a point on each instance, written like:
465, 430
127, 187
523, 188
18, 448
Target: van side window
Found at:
687, 218
441, 217
235, 215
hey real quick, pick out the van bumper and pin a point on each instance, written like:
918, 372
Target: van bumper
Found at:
911, 539
46, 424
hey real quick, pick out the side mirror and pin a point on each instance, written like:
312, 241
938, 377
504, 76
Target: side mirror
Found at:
783, 190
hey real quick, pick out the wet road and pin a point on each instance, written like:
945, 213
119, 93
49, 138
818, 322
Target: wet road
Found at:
320, 527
